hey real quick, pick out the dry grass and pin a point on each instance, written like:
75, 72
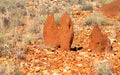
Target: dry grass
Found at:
103, 2
13, 41
104, 68
97, 18
10, 67
118, 17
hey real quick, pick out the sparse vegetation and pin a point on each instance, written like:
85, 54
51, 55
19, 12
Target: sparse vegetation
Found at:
22, 47
57, 18
103, 68
4, 43
47, 7
103, 2
72, 2
42, 19
87, 7
97, 18
14, 14
8, 67
118, 17
12, 11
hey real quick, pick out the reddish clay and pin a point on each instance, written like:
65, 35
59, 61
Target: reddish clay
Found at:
98, 41
50, 32
65, 32
111, 9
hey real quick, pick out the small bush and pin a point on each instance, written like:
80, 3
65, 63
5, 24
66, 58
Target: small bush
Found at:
42, 19
46, 7
4, 44
56, 17
14, 10
103, 2
87, 7
103, 68
15, 13
27, 38
96, 18
72, 2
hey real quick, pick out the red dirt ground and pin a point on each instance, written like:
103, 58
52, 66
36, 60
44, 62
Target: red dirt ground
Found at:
80, 62
111, 9
43, 61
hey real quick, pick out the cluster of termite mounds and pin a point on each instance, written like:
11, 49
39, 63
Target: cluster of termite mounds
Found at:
62, 37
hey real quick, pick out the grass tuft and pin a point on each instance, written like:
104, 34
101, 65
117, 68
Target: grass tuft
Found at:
103, 68
97, 18
103, 2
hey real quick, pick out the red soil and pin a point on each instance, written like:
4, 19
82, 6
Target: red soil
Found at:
111, 9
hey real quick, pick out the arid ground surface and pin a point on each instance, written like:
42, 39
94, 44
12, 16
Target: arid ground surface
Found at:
33, 57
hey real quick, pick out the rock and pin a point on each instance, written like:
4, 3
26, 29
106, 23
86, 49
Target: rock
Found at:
98, 41
65, 32
50, 32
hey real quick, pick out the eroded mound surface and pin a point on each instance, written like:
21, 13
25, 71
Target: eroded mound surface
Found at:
66, 32
111, 9
50, 31
58, 36
98, 41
